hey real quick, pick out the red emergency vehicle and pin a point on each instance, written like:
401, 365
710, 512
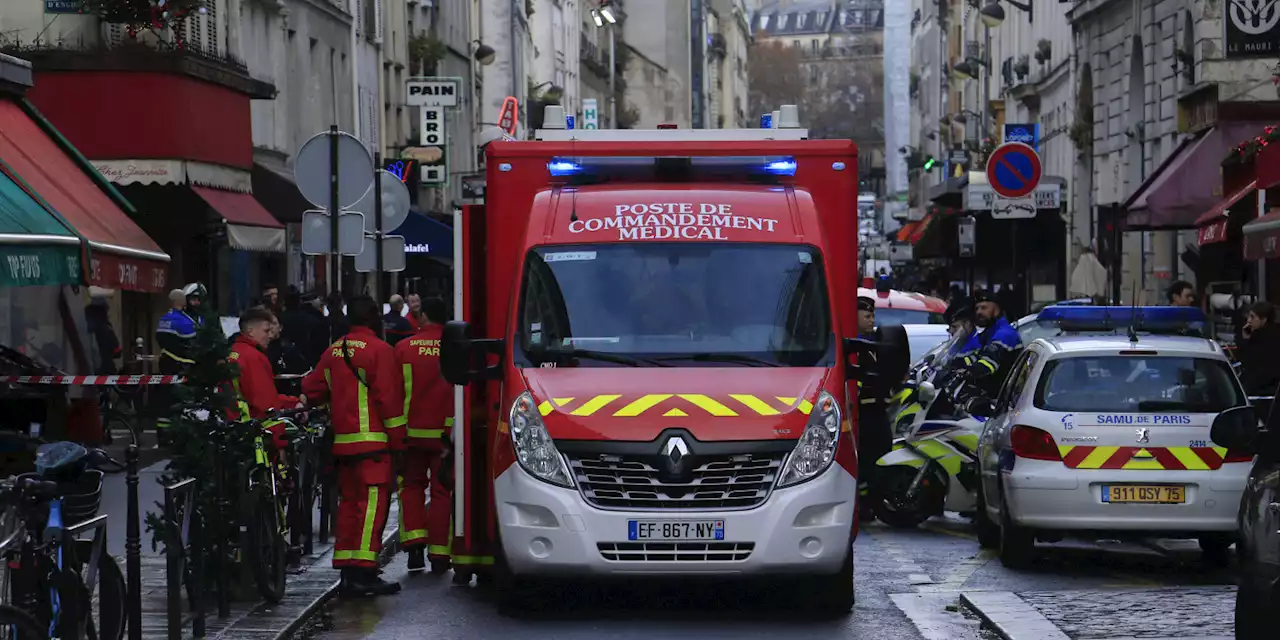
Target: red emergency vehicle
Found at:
894, 307
655, 333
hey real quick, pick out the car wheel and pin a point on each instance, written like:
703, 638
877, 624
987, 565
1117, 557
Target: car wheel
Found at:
988, 531
1216, 550
830, 596
1017, 543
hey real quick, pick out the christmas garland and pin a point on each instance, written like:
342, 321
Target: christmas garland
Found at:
1247, 151
158, 15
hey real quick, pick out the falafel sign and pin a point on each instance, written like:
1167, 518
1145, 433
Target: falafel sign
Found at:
673, 220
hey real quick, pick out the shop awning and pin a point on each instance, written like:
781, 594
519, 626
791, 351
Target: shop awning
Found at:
38, 248
274, 187
250, 227
917, 234
1213, 223
123, 256
1188, 183
1262, 237
423, 235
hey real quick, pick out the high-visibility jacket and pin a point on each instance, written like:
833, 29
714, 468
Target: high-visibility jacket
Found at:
428, 401
359, 376
256, 385
175, 333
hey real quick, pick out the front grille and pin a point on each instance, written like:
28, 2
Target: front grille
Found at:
675, 551
714, 482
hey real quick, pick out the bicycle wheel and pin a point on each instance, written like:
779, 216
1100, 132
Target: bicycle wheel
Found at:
109, 614
16, 624
268, 548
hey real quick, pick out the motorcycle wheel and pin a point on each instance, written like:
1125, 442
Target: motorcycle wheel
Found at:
893, 508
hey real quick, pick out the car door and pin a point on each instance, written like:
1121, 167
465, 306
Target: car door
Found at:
995, 436
1260, 522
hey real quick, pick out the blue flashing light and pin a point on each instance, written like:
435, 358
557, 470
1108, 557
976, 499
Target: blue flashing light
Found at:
561, 168
785, 167
568, 121
1157, 319
766, 121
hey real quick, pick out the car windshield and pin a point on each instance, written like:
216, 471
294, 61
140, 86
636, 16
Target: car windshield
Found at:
675, 304
1131, 384
886, 317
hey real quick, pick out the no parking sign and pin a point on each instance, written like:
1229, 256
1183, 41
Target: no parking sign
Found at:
1014, 170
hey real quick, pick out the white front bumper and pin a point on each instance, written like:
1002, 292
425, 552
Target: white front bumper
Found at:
549, 530
1049, 495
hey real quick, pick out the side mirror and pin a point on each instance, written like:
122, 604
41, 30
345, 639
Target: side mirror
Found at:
927, 392
456, 353
1237, 429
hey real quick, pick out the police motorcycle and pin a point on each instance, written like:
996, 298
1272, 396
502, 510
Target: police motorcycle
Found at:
933, 464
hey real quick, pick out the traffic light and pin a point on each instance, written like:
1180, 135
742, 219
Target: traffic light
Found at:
928, 163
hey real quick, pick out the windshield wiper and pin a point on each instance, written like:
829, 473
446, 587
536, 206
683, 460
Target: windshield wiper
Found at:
721, 357
591, 354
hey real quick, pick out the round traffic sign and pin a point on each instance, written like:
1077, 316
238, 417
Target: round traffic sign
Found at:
1014, 170
312, 170
395, 204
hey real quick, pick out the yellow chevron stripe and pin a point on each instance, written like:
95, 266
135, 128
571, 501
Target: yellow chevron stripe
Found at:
1188, 458
675, 413
1143, 460
805, 407
790, 402
707, 404
595, 404
639, 406
1097, 457
545, 407
560, 402
1064, 449
756, 404
1222, 451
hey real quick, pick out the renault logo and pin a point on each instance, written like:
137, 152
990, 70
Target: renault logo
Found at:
1144, 436
675, 449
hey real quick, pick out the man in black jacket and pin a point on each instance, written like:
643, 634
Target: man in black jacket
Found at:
304, 327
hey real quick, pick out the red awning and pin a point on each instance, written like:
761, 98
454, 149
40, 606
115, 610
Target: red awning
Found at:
238, 208
1219, 211
1261, 235
1213, 232
124, 257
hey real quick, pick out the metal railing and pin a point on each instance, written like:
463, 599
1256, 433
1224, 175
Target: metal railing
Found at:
70, 535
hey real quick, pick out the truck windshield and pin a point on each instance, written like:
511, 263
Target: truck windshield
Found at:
675, 304
1133, 384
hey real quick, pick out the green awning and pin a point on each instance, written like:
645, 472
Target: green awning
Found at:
37, 248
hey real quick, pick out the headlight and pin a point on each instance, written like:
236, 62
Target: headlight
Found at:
817, 446
534, 447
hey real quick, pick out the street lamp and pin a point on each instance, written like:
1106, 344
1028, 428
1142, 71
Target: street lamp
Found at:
553, 92
484, 53
992, 15
604, 17
963, 71
963, 116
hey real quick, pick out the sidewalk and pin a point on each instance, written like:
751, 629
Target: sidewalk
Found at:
309, 586
1184, 613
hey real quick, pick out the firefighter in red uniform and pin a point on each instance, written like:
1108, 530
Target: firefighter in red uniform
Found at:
424, 527
359, 377
256, 385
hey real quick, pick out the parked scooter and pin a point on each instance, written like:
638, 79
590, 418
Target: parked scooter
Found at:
933, 464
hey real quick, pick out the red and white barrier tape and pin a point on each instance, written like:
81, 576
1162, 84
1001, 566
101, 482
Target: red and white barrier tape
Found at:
92, 381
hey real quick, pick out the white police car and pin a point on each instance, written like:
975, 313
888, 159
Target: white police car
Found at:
1101, 432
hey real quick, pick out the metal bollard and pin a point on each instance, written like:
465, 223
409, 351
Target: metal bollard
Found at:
133, 545
197, 572
223, 537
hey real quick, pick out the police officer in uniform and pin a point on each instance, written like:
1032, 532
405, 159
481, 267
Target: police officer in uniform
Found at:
874, 434
176, 333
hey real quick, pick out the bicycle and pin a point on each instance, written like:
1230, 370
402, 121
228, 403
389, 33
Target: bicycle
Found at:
54, 583
305, 454
16, 624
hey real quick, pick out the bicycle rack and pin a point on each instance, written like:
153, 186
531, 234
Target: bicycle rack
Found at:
70, 535
182, 529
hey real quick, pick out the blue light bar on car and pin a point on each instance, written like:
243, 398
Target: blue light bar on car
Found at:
1095, 318
642, 168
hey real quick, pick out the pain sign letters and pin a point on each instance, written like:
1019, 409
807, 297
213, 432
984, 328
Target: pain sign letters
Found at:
673, 221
